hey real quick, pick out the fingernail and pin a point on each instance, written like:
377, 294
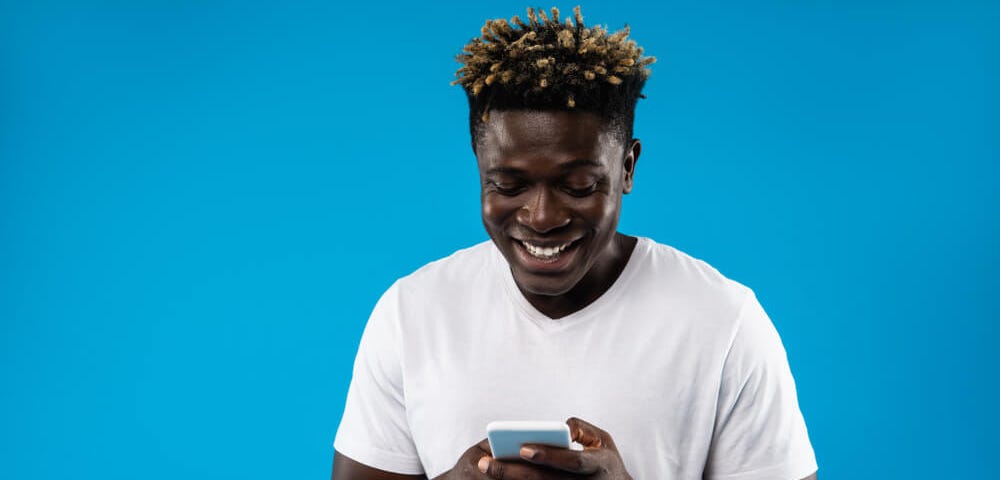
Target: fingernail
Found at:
484, 464
528, 452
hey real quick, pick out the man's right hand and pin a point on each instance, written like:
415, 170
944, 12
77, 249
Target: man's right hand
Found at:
467, 466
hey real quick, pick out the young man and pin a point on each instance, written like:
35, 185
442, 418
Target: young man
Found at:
664, 368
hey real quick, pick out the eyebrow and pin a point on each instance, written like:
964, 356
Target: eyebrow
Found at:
580, 162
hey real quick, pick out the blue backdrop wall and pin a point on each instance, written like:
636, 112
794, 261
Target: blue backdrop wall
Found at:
200, 201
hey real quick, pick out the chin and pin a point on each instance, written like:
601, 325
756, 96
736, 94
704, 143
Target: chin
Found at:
548, 287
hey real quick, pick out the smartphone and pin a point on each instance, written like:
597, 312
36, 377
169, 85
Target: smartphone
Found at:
506, 437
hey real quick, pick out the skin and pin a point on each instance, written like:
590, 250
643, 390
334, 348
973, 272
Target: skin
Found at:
551, 178
548, 178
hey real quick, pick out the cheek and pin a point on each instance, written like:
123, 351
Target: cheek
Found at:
496, 209
601, 210
602, 215
613, 207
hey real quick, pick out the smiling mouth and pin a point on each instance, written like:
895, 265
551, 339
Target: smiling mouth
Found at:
546, 254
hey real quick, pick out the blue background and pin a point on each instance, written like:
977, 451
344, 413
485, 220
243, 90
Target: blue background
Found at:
200, 203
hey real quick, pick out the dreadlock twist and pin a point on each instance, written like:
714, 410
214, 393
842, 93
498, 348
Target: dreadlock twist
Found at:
546, 64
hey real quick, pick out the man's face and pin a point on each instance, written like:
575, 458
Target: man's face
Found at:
551, 190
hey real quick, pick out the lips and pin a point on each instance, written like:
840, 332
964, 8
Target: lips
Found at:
545, 256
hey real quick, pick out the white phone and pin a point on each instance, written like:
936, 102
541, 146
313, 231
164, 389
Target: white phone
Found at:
506, 437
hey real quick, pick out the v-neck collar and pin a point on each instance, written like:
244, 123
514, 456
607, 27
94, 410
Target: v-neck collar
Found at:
638, 255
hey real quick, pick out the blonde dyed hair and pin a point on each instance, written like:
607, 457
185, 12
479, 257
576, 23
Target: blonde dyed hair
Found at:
552, 59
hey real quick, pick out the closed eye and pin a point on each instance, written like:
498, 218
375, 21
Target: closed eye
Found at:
581, 191
507, 189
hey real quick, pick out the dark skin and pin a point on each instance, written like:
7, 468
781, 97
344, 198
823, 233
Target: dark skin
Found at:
551, 180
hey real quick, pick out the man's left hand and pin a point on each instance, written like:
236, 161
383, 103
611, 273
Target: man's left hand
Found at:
599, 459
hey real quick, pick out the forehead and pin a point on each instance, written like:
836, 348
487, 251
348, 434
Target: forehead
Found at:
535, 137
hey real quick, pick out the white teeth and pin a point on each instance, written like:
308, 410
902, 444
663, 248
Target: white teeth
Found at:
545, 252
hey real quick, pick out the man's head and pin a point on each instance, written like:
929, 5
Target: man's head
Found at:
546, 64
551, 109
551, 190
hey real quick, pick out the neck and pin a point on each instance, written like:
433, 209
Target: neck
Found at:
595, 283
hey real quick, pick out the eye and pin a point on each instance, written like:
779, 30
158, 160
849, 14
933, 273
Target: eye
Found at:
580, 191
509, 189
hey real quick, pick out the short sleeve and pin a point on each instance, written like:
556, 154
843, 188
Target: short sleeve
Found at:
759, 429
374, 430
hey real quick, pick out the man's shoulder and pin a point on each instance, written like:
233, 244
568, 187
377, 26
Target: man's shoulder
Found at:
677, 281
680, 269
462, 267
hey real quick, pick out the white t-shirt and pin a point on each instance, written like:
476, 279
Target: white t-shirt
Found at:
678, 363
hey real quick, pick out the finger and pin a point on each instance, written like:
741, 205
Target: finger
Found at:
502, 470
490, 467
478, 454
496, 469
573, 461
587, 434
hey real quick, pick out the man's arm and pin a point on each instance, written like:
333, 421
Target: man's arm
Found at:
759, 426
373, 439
346, 469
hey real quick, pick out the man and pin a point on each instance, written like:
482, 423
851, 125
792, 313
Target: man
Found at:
664, 368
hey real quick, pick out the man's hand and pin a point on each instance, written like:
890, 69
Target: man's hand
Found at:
467, 466
598, 460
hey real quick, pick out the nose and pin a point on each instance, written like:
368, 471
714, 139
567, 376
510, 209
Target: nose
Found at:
543, 212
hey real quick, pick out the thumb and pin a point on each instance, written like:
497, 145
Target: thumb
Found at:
587, 434
491, 468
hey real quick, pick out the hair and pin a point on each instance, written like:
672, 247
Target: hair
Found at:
545, 64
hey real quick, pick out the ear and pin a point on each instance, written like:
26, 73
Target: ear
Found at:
628, 164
